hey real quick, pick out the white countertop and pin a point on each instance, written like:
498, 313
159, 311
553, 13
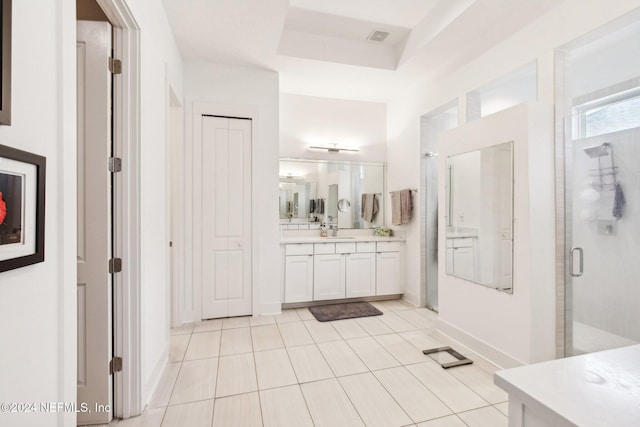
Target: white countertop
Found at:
597, 389
340, 239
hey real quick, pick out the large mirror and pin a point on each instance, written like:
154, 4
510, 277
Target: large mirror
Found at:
479, 216
348, 194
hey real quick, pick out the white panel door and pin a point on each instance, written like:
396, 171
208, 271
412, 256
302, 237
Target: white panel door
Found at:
361, 275
94, 219
328, 277
226, 217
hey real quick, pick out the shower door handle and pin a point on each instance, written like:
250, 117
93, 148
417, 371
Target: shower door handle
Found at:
572, 259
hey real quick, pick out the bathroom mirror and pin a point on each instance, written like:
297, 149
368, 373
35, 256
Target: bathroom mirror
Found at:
332, 192
479, 216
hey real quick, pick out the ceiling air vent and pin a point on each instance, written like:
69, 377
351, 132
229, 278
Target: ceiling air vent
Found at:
378, 36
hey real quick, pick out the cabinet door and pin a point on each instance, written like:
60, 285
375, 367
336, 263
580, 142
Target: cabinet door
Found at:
361, 275
388, 273
328, 277
298, 281
463, 265
450, 261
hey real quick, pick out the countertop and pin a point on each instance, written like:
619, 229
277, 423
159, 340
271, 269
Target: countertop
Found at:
340, 239
596, 389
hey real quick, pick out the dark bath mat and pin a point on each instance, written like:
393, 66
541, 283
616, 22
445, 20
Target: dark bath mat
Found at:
349, 310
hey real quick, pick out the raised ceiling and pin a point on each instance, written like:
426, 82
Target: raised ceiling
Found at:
320, 48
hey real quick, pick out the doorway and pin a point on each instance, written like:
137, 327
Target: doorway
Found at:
122, 311
95, 221
226, 210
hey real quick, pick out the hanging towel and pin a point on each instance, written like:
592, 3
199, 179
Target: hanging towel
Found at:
312, 206
320, 206
406, 206
375, 208
396, 208
368, 201
619, 202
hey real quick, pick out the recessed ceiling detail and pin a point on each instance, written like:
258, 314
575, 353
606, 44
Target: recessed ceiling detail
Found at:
323, 37
322, 47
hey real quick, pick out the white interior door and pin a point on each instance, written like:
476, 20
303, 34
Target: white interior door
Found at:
94, 220
226, 217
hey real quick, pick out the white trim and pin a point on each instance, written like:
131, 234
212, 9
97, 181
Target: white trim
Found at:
66, 184
127, 321
230, 110
175, 204
485, 350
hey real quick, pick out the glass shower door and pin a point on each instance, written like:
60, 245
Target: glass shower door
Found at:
602, 190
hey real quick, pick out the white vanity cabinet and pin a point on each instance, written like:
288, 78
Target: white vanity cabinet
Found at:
298, 274
388, 268
337, 270
361, 271
461, 258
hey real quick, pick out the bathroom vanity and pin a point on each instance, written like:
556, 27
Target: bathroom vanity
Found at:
336, 268
597, 389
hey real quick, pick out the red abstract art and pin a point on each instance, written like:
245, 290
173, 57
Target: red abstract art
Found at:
3, 209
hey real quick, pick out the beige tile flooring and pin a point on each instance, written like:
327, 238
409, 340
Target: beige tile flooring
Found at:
291, 370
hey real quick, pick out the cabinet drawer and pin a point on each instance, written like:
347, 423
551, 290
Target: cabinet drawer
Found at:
364, 247
388, 246
324, 248
345, 248
314, 226
463, 242
299, 249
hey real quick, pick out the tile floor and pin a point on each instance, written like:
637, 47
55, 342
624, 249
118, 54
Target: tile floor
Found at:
290, 370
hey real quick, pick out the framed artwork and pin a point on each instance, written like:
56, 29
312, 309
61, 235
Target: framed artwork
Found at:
22, 194
5, 62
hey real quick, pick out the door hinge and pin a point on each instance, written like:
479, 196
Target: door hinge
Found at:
115, 164
115, 66
115, 365
115, 265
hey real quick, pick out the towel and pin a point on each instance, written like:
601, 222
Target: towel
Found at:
312, 206
406, 206
369, 208
320, 206
396, 208
619, 202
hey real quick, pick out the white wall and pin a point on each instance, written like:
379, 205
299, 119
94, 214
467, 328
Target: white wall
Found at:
161, 67
308, 120
38, 302
513, 328
240, 88
537, 41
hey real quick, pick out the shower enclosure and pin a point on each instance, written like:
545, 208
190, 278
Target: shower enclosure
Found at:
431, 126
602, 238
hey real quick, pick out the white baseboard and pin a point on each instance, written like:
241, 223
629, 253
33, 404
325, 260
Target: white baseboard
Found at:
269, 308
411, 298
153, 379
485, 350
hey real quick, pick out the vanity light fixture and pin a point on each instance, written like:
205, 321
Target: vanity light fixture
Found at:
334, 148
292, 177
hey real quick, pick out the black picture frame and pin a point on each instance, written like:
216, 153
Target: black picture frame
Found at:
5, 62
26, 171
